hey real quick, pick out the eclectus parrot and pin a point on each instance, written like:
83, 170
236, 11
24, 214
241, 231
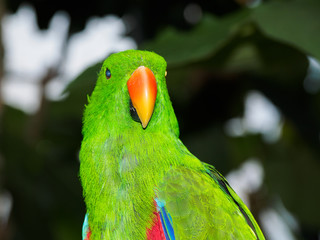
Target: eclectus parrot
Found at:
139, 180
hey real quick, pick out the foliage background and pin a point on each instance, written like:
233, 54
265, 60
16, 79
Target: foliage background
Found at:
212, 66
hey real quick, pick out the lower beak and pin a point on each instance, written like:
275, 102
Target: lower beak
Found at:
142, 87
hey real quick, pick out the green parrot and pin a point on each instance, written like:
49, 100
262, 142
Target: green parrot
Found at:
139, 180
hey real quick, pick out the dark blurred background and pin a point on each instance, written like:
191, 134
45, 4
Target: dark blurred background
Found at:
243, 76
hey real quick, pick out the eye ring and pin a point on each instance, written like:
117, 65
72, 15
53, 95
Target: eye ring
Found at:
108, 73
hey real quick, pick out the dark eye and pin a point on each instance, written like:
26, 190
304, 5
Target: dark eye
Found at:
108, 73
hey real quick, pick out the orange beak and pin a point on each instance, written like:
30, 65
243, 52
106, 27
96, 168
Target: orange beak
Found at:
142, 87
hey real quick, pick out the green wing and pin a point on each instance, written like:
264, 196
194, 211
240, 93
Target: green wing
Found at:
202, 205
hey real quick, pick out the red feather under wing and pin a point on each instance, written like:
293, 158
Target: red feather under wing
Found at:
156, 231
88, 235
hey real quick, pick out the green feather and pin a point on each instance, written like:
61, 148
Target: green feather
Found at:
124, 166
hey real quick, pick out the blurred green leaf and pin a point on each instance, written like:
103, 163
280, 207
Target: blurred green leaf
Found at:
295, 22
179, 47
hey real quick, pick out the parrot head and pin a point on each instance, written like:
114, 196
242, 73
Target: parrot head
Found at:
131, 93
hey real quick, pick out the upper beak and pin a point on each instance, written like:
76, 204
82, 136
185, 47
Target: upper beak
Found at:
142, 87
